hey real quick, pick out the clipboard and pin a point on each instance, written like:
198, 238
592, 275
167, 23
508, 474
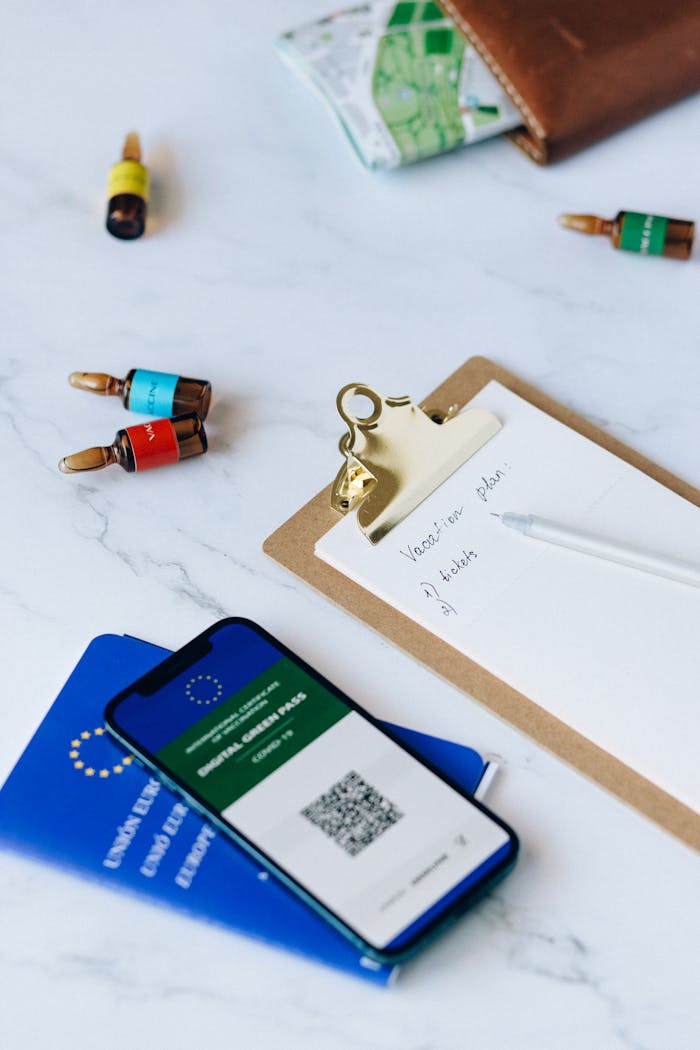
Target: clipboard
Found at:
292, 545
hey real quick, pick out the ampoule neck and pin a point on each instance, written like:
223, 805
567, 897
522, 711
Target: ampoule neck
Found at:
94, 458
132, 147
592, 225
98, 383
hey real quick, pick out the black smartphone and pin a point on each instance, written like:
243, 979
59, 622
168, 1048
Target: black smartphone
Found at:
369, 834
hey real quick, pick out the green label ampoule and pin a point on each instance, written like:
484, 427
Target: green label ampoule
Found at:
635, 231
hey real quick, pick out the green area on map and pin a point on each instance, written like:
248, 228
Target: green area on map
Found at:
252, 733
415, 84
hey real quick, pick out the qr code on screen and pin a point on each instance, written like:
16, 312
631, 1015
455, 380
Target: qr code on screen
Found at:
352, 813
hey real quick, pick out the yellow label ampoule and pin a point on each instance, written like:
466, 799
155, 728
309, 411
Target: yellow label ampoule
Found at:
127, 192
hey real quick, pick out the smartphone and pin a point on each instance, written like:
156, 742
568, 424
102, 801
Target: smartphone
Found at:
367, 833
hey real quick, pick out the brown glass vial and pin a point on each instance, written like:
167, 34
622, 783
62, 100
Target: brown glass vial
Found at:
153, 393
635, 231
127, 193
144, 446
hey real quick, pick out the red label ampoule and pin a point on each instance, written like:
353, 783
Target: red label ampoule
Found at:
144, 446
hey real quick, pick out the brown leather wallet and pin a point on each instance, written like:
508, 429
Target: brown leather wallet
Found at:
579, 70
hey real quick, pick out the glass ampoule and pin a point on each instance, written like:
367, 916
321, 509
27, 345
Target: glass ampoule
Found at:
635, 231
153, 393
127, 192
144, 446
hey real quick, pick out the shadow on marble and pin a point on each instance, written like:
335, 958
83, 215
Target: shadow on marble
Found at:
167, 203
227, 419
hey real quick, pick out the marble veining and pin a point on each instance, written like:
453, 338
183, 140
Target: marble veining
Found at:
280, 270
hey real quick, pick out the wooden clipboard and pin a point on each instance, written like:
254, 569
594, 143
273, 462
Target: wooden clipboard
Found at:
292, 545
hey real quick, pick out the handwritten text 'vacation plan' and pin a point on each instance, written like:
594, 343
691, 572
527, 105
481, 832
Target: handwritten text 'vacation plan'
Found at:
456, 562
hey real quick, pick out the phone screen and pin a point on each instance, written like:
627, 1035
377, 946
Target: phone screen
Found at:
281, 757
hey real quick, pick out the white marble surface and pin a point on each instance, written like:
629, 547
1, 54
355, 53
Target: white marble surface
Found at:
279, 269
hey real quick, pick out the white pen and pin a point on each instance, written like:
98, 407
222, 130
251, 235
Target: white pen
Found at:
600, 547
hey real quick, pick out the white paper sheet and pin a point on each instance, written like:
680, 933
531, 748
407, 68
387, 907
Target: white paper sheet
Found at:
611, 651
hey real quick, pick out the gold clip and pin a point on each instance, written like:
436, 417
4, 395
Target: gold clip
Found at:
398, 454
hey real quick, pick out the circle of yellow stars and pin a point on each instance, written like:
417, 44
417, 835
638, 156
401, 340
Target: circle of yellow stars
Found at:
192, 689
92, 771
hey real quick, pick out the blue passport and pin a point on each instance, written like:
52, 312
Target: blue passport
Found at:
135, 834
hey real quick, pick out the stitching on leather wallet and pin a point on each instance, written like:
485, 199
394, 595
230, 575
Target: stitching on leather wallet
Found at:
531, 120
534, 147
